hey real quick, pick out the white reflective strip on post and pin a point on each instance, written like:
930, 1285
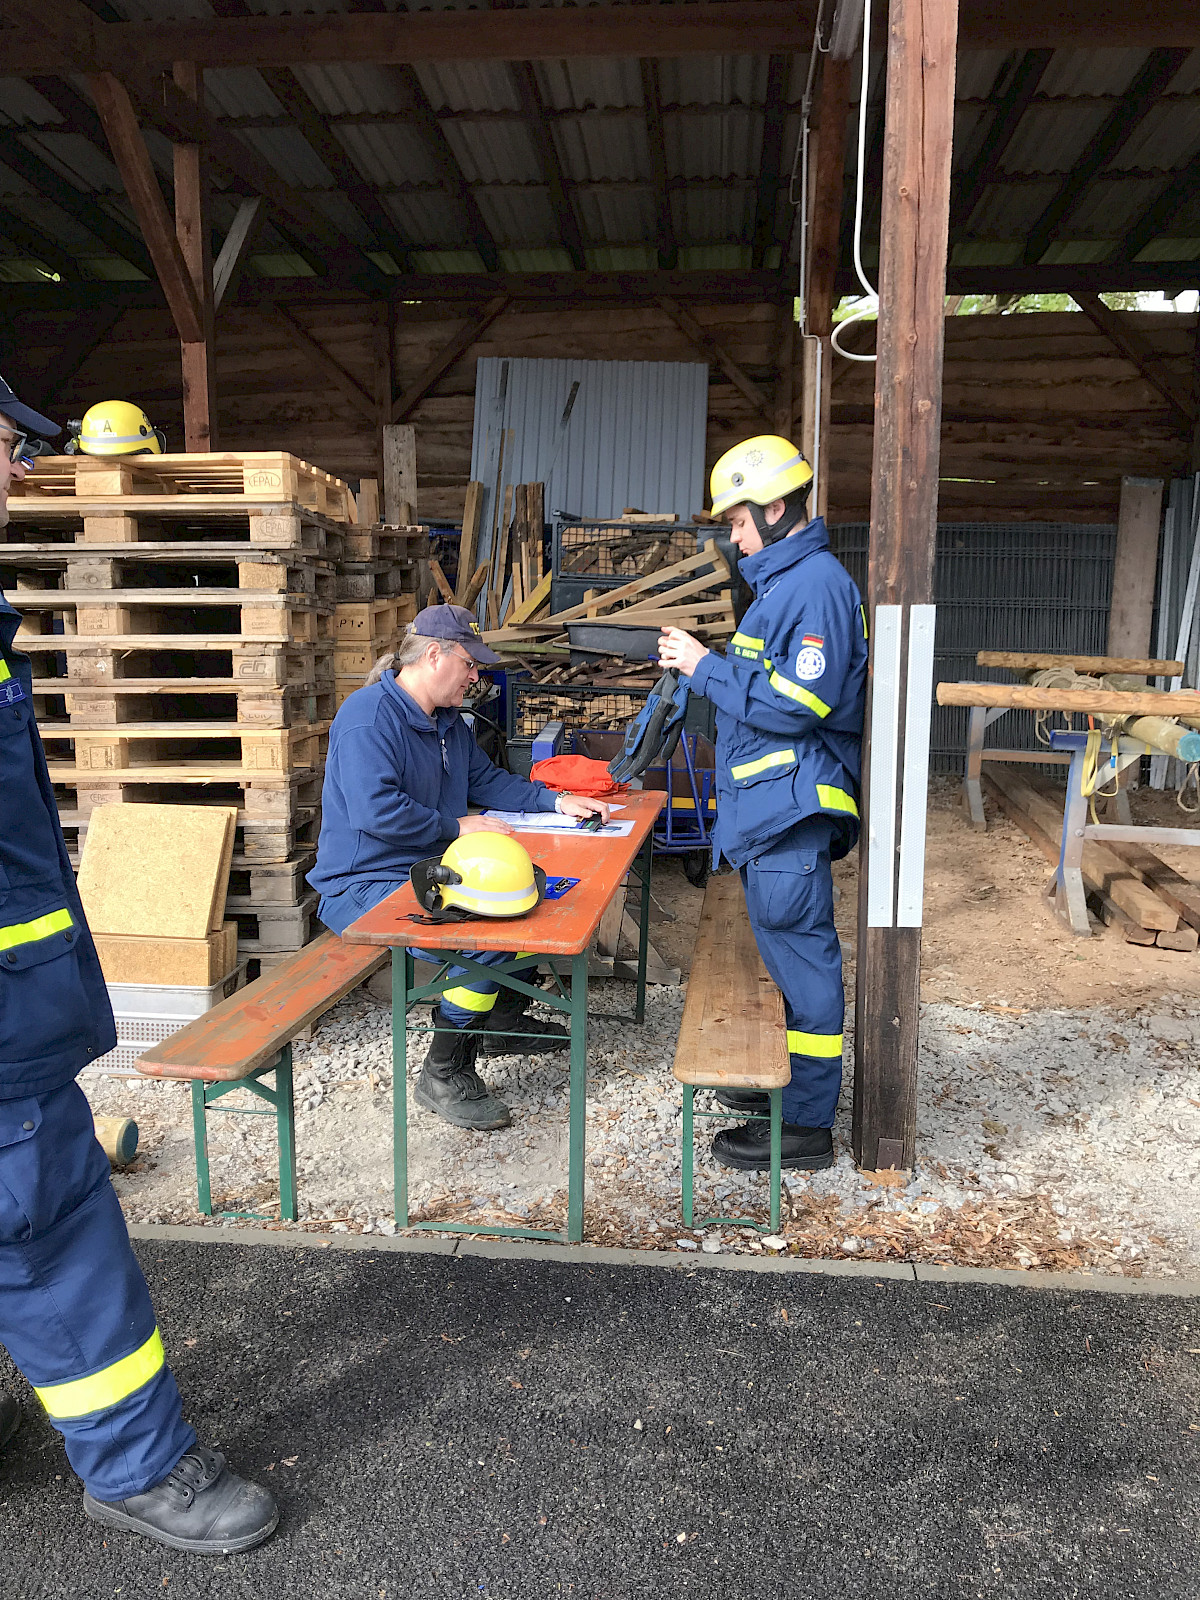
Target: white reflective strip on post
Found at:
885, 734
918, 712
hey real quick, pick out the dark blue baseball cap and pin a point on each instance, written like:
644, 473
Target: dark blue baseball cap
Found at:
456, 625
25, 417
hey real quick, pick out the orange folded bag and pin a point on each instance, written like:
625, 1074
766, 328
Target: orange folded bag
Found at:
577, 775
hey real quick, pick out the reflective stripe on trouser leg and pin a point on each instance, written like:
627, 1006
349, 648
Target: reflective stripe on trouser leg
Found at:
75, 1312
805, 961
469, 999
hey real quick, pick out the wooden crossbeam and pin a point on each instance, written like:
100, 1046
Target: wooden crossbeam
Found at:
713, 351
668, 249
235, 251
1121, 333
770, 157
446, 357
324, 363
1015, 101
1098, 702
542, 135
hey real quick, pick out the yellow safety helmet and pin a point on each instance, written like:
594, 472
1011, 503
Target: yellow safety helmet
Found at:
116, 428
482, 875
756, 472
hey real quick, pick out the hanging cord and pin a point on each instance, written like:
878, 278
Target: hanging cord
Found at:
870, 306
1191, 780
1091, 783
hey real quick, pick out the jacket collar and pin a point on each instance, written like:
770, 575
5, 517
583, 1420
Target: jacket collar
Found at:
412, 712
775, 559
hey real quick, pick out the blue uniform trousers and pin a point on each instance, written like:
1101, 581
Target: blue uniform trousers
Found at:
75, 1312
789, 895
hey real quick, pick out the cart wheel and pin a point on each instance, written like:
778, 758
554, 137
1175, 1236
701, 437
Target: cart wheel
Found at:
695, 867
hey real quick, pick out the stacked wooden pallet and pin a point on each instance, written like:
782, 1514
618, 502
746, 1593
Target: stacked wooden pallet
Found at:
179, 611
376, 598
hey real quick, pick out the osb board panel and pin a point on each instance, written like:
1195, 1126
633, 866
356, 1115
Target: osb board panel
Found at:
158, 871
187, 963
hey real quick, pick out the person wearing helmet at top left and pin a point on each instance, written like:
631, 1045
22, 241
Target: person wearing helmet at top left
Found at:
115, 428
402, 768
790, 694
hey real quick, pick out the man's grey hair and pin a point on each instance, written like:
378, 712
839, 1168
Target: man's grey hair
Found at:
406, 654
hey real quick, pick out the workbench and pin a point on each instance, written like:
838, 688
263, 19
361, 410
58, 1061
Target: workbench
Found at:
561, 930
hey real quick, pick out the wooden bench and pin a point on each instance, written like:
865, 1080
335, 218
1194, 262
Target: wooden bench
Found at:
733, 1033
238, 1042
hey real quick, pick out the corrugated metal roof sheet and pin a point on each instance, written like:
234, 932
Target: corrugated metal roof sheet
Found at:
1073, 72
389, 154
494, 152
713, 146
1052, 138
1167, 138
1109, 208
592, 150
580, 84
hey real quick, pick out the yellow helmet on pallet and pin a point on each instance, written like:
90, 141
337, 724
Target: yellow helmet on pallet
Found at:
756, 472
116, 428
480, 875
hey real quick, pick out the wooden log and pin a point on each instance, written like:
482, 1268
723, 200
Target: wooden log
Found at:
1167, 736
443, 583
472, 516
1185, 939
1099, 702
1097, 666
1178, 892
478, 579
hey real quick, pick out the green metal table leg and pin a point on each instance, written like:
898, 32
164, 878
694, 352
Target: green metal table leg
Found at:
200, 1137
639, 1010
285, 1120
578, 1098
402, 973
776, 1154
689, 1154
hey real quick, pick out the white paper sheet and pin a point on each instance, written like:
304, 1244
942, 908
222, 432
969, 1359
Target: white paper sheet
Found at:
554, 822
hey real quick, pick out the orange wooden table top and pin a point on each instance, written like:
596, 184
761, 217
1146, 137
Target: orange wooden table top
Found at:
556, 927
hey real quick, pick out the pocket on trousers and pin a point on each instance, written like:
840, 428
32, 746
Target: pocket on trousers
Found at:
44, 1005
784, 896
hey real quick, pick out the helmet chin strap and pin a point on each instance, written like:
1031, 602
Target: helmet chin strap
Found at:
772, 532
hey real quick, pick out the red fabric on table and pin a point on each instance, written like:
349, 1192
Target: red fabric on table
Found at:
577, 775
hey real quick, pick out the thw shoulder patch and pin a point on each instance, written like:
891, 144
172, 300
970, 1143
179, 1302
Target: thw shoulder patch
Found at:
810, 663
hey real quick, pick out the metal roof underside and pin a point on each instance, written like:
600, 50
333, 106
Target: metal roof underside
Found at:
571, 164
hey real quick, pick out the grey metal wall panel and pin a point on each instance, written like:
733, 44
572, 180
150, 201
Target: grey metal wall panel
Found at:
635, 438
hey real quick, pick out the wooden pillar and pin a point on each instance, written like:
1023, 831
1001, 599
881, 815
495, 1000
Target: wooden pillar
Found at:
922, 36
785, 378
1194, 458
399, 473
192, 228
1135, 565
384, 341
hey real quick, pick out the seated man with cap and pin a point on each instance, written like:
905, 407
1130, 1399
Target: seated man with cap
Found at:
402, 769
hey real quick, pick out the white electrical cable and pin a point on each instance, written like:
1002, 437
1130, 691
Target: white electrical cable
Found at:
870, 306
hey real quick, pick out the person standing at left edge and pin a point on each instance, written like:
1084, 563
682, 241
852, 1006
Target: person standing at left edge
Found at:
75, 1312
790, 695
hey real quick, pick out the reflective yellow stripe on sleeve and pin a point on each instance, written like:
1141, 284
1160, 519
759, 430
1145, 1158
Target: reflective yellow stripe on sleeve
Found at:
83, 1396
783, 685
40, 928
470, 999
826, 1045
831, 799
751, 769
746, 646
5, 673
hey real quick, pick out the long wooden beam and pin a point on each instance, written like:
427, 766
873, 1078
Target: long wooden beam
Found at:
446, 357
1116, 328
714, 351
770, 157
319, 357
542, 135
1015, 101
1100, 702
235, 251
668, 249
711, 27
193, 229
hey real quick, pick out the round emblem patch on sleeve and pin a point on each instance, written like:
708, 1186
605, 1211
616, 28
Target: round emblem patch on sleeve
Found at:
810, 663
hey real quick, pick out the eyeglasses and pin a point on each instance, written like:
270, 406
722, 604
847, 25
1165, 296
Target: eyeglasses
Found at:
24, 449
467, 661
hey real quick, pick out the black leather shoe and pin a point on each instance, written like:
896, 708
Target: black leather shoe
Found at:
450, 1087
10, 1418
200, 1506
750, 1102
510, 1032
748, 1148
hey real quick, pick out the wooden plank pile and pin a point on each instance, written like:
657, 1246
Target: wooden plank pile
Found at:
181, 615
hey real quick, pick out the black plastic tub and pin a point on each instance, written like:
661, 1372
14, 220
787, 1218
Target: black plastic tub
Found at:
590, 639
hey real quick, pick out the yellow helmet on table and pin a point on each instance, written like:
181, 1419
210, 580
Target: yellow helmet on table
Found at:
116, 428
756, 472
482, 875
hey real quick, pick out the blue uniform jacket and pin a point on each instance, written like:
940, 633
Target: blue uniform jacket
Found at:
790, 694
396, 783
55, 1014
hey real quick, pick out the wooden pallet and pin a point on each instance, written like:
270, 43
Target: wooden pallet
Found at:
162, 564
381, 542
254, 476
157, 619
158, 748
357, 621
260, 796
185, 520
161, 700
271, 927
255, 883
375, 580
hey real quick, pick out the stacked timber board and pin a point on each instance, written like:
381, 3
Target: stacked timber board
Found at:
180, 614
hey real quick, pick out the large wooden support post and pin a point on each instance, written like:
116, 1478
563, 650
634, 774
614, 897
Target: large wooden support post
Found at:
1135, 565
399, 472
192, 228
922, 37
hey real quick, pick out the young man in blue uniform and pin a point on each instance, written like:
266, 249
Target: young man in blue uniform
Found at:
790, 694
75, 1312
402, 768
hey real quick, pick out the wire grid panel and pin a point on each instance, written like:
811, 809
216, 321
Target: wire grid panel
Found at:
620, 549
1004, 586
577, 707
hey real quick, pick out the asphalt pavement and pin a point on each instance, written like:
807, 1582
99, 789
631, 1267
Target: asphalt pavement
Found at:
450, 1426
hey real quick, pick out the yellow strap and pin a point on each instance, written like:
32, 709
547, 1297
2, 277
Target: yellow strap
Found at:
470, 999
827, 1045
40, 928
793, 691
106, 1388
831, 799
751, 769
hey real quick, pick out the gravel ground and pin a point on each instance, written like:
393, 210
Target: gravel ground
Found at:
1056, 1138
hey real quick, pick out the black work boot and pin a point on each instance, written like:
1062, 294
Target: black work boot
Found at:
750, 1102
450, 1087
748, 1148
200, 1506
10, 1418
509, 1032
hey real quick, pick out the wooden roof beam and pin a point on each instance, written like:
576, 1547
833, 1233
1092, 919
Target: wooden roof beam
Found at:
668, 249
542, 134
1120, 332
714, 352
235, 251
1130, 112
446, 357
85, 210
1015, 101
1160, 213
770, 157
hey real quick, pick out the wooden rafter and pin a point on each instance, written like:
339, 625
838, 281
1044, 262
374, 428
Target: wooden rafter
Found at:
446, 357
541, 132
1116, 328
1161, 212
1015, 101
830, 113
36, 243
319, 357
88, 213
235, 251
770, 157
1130, 112
713, 351
668, 249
